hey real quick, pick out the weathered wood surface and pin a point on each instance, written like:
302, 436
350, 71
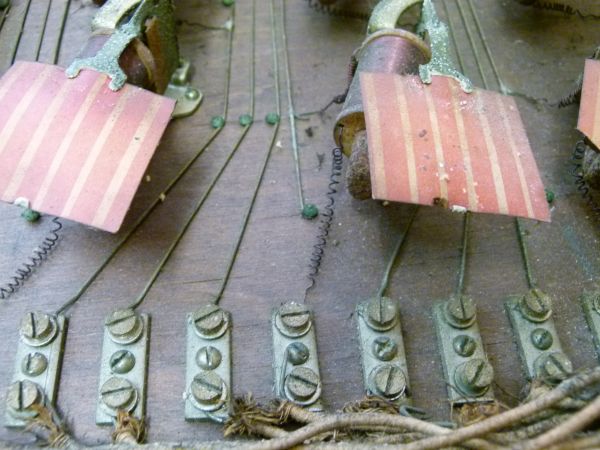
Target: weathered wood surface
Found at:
538, 54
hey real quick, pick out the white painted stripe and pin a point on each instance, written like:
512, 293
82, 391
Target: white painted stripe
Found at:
464, 148
408, 139
437, 142
37, 140
95, 152
379, 188
66, 142
10, 78
22, 107
516, 156
122, 171
493, 156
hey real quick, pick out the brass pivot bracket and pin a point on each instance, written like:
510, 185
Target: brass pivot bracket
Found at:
37, 366
539, 347
124, 366
467, 371
385, 371
208, 365
295, 359
151, 19
441, 63
187, 97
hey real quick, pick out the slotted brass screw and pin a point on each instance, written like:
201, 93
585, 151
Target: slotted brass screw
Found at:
302, 383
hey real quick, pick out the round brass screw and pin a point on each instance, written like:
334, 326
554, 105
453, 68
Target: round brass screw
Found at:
122, 361
208, 358
460, 311
22, 395
541, 338
34, 364
384, 348
554, 367
118, 393
124, 326
297, 353
295, 317
388, 381
207, 388
382, 313
302, 384
536, 306
474, 377
464, 345
208, 320
37, 328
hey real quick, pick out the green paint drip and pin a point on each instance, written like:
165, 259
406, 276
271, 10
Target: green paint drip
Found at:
272, 118
228, 2
246, 119
30, 215
550, 196
310, 211
217, 122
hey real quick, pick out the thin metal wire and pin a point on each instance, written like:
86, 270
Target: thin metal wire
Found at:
524, 252
291, 113
460, 285
386, 276
520, 234
61, 33
261, 175
77, 296
3, 16
165, 259
18, 43
43, 32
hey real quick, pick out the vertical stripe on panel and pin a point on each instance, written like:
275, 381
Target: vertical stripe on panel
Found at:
407, 131
23, 105
437, 141
473, 202
66, 142
492, 155
37, 140
95, 151
516, 155
125, 164
596, 114
374, 137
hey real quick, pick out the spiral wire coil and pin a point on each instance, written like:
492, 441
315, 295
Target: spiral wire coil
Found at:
326, 218
582, 185
24, 270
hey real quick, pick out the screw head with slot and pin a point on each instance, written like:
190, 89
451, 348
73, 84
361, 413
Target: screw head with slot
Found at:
210, 321
389, 381
384, 348
297, 353
208, 389
542, 339
122, 361
536, 306
460, 311
124, 326
34, 364
118, 393
38, 328
302, 384
553, 367
464, 345
474, 377
382, 313
293, 319
21, 396
208, 358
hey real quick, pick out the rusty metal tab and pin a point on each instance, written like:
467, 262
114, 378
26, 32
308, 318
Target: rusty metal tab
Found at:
589, 111
435, 144
74, 148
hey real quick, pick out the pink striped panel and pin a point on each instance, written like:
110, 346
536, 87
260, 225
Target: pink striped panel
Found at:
467, 150
73, 147
589, 111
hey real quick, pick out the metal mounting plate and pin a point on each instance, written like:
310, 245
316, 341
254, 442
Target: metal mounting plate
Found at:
136, 376
451, 360
49, 378
222, 344
281, 365
523, 330
367, 336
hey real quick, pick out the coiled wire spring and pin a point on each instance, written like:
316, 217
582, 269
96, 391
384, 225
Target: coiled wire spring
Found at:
24, 271
557, 7
582, 186
326, 218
